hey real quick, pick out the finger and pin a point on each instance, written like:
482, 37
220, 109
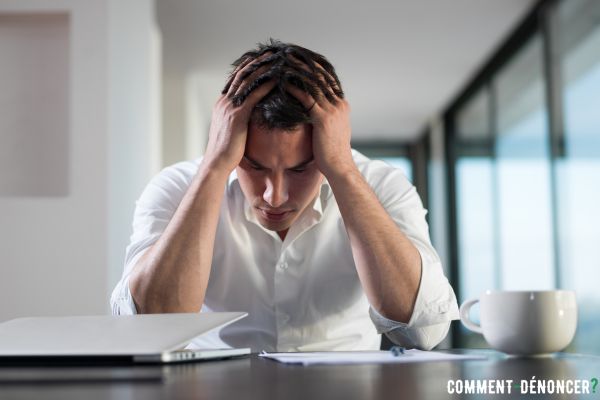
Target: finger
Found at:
261, 62
333, 92
243, 73
332, 81
306, 82
307, 101
234, 73
318, 75
263, 88
248, 86
235, 82
250, 79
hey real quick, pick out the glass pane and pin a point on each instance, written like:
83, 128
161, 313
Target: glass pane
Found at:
474, 194
476, 242
475, 206
526, 255
473, 119
474, 198
578, 171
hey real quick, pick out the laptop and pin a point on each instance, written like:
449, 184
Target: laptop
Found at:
108, 339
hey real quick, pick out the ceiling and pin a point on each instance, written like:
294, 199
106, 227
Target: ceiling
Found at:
401, 62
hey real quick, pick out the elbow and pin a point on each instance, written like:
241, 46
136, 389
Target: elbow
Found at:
121, 300
436, 334
423, 338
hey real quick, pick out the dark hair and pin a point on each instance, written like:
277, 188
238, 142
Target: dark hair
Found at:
279, 109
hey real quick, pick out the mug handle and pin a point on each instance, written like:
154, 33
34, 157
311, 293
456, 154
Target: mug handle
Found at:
464, 316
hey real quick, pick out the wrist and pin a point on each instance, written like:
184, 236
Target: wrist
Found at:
334, 168
214, 169
340, 169
218, 165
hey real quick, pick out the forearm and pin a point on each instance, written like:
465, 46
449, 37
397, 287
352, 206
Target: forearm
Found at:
388, 264
173, 274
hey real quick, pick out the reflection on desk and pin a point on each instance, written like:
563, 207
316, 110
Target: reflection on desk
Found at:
255, 378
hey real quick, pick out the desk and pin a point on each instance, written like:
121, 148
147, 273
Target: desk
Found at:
256, 378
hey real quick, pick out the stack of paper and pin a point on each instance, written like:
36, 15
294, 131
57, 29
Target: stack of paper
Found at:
365, 357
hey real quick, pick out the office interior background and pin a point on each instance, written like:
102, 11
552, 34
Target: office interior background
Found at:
489, 106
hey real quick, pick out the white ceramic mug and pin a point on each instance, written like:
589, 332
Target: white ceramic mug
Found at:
524, 322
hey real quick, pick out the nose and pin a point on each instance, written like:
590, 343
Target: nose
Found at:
276, 191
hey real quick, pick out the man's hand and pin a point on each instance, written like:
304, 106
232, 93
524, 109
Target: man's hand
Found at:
229, 123
173, 273
388, 264
331, 128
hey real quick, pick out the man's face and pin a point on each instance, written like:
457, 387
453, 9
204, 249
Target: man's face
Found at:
278, 175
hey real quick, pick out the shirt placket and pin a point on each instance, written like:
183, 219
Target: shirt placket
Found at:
282, 317
281, 279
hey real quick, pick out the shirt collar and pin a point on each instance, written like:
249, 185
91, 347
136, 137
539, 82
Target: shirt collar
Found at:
318, 205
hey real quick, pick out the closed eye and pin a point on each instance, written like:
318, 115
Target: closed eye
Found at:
255, 166
303, 167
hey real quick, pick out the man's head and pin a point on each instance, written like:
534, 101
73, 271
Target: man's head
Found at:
287, 64
278, 174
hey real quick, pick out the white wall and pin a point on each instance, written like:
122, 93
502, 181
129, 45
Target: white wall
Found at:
61, 254
35, 63
199, 104
188, 100
134, 149
174, 123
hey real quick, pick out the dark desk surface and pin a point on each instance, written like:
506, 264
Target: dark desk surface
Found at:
255, 378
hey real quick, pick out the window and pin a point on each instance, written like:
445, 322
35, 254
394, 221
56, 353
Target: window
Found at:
523, 173
578, 165
475, 185
524, 161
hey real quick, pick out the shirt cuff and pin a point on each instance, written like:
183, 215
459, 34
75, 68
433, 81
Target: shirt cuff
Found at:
435, 307
121, 300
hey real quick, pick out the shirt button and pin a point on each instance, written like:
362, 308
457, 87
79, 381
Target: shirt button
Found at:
283, 265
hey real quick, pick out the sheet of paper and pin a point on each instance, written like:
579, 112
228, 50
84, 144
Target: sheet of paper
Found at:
365, 357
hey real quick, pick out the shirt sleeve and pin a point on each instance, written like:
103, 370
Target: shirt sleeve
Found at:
436, 304
435, 307
153, 211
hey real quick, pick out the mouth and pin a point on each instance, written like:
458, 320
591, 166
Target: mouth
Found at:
274, 215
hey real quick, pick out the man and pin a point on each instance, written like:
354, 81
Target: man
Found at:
323, 247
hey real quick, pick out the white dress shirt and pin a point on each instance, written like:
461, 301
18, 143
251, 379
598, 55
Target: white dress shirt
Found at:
302, 293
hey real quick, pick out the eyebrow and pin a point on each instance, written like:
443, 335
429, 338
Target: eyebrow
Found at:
301, 165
